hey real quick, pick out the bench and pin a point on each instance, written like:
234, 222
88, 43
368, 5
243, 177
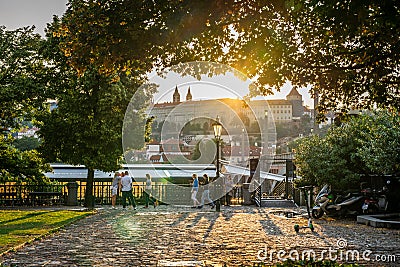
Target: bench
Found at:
45, 198
8, 198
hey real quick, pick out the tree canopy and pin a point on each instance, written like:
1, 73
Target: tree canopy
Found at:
24, 89
26, 143
127, 35
93, 60
347, 50
16, 165
380, 143
86, 127
364, 145
23, 76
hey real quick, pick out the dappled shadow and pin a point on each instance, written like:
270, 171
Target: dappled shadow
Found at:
269, 227
211, 219
197, 219
209, 229
18, 234
228, 215
181, 219
29, 215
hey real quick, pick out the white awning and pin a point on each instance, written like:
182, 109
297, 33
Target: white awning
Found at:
138, 172
238, 170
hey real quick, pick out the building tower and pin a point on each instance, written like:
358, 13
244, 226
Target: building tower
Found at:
295, 98
177, 96
188, 95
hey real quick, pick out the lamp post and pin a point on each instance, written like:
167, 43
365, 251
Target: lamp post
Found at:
217, 126
264, 157
243, 164
266, 131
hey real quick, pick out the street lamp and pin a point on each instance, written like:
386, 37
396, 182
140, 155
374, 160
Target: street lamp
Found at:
217, 126
243, 164
266, 131
263, 157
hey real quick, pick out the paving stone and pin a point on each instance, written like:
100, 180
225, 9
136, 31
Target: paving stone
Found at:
236, 236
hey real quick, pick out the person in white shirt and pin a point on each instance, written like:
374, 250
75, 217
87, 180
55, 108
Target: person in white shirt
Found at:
114, 188
195, 189
206, 193
229, 184
148, 192
126, 188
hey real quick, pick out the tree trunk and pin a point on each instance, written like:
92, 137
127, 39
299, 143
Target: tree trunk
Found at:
316, 103
89, 198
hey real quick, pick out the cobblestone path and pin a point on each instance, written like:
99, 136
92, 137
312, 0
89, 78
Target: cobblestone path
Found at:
177, 236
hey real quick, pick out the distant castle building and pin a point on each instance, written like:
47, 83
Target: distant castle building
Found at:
295, 98
176, 97
188, 95
230, 110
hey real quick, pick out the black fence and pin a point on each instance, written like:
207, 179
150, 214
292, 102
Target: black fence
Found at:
12, 194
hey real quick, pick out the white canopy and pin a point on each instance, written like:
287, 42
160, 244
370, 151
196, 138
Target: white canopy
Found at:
238, 170
137, 171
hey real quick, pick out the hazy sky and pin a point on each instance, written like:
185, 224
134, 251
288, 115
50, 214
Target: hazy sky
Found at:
19, 13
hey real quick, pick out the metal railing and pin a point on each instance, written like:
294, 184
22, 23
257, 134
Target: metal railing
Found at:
12, 194
257, 197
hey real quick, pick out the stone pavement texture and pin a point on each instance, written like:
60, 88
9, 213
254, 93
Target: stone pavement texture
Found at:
181, 236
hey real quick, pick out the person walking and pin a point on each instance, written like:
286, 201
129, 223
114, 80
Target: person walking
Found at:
195, 189
206, 193
148, 192
126, 188
114, 189
228, 190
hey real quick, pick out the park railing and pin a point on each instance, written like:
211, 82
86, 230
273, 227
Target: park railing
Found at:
12, 194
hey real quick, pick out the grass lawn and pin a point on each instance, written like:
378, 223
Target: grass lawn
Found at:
18, 227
